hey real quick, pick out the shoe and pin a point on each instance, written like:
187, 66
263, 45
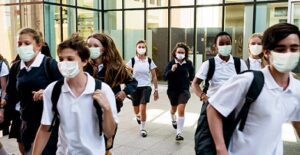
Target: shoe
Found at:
143, 133
179, 137
174, 124
138, 119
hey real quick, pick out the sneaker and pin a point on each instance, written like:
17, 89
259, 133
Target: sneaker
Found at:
143, 133
179, 137
174, 124
138, 119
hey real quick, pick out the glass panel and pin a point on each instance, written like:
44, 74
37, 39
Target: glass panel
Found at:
113, 27
237, 1
32, 16
69, 2
88, 22
296, 21
134, 31
9, 1
207, 28
69, 19
157, 3
52, 26
181, 2
270, 14
237, 19
157, 35
10, 24
134, 4
89, 3
201, 2
56, 1
182, 28
112, 4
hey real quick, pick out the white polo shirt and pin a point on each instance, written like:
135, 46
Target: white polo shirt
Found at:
141, 71
79, 128
223, 71
273, 107
4, 70
255, 64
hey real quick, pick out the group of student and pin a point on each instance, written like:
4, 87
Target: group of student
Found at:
72, 106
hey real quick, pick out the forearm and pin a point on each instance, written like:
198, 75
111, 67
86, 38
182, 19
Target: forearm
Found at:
196, 86
108, 123
41, 140
131, 85
297, 127
216, 128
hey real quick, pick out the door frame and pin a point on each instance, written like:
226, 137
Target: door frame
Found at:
290, 10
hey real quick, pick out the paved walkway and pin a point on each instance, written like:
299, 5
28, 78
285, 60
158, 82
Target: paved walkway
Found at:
161, 135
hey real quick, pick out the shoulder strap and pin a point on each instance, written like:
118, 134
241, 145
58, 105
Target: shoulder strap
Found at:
247, 61
237, 64
149, 61
54, 99
132, 62
252, 94
98, 85
47, 67
15, 68
210, 73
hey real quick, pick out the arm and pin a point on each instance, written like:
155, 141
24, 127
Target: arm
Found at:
154, 79
41, 139
168, 71
297, 127
216, 128
191, 71
130, 86
3, 81
198, 91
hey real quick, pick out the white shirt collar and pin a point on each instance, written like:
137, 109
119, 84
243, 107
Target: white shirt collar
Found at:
219, 60
254, 60
36, 63
183, 62
89, 87
271, 83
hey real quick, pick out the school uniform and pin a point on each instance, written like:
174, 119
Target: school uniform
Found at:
179, 81
142, 73
223, 71
79, 124
254, 64
273, 107
19, 89
4, 126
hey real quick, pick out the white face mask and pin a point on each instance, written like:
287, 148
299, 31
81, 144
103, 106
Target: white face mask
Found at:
141, 51
94, 52
225, 50
26, 53
180, 56
69, 69
284, 62
255, 49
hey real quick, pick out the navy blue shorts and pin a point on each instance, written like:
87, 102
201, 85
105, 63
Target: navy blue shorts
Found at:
177, 97
141, 95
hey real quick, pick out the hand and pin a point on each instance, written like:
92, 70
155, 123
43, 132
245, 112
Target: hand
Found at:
1, 115
2, 103
222, 151
203, 97
174, 67
101, 98
120, 96
38, 95
155, 95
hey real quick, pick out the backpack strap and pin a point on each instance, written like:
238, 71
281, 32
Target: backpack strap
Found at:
47, 67
252, 94
237, 64
149, 61
54, 99
210, 73
132, 62
98, 85
247, 61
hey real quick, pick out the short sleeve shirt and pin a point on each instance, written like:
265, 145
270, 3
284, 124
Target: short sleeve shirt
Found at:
142, 71
79, 129
273, 107
255, 64
223, 71
4, 70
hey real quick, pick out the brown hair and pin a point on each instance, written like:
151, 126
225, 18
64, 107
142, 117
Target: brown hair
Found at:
35, 34
4, 60
142, 42
116, 70
181, 45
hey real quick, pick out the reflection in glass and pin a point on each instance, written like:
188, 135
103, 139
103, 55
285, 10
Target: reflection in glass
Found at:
69, 2
113, 27
201, 2
112, 4
157, 3
157, 34
207, 28
89, 3
181, 2
134, 4
69, 19
87, 22
134, 31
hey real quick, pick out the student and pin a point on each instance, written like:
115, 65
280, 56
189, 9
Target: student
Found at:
278, 102
225, 67
107, 65
179, 73
79, 128
142, 67
27, 79
255, 61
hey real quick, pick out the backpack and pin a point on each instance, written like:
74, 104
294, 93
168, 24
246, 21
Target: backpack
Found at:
204, 143
133, 62
55, 97
211, 70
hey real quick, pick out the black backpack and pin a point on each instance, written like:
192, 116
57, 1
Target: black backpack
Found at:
204, 143
133, 62
211, 70
54, 99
